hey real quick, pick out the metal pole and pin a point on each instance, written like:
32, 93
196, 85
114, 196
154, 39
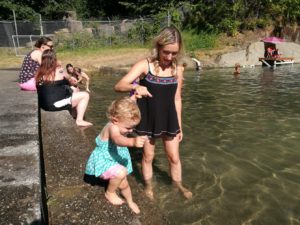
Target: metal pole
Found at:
41, 25
110, 36
143, 31
168, 18
16, 28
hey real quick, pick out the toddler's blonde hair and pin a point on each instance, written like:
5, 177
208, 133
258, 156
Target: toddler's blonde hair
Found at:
123, 109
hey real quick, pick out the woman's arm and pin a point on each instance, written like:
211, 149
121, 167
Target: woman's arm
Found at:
178, 99
126, 83
36, 55
72, 80
87, 81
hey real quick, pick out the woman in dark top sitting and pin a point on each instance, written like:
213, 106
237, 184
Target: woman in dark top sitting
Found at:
32, 62
54, 92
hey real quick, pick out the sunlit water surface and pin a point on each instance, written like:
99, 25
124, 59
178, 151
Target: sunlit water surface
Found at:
241, 147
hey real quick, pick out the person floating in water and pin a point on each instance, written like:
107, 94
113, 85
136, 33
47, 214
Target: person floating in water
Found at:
237, 69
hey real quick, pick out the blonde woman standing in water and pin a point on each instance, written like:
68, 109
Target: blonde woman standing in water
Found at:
158, 96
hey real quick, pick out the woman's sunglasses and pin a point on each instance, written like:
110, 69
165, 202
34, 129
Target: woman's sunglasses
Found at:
50, 46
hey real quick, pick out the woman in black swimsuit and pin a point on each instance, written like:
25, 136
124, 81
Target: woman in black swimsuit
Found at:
159, 99
54, 91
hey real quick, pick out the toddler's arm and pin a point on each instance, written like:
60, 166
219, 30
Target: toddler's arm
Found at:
121, 140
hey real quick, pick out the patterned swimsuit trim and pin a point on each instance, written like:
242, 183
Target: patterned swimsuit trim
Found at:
154, 79
150, 134
160, 80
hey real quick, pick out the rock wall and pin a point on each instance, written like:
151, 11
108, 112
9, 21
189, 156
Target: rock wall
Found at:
249, 56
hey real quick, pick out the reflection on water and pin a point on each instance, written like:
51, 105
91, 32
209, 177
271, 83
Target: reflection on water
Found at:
240, 152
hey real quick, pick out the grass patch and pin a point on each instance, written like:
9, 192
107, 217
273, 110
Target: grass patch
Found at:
196, 41
110, 51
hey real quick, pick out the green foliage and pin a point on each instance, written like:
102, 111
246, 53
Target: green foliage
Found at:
21, 11
252, 24
202, 40
229, 26
82, 40
142, 31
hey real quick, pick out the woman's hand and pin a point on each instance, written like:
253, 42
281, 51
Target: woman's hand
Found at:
180, 136
73, 81
141, 91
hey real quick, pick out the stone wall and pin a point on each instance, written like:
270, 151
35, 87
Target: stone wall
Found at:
249, 56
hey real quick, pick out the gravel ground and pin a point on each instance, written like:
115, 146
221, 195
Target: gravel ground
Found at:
73, 198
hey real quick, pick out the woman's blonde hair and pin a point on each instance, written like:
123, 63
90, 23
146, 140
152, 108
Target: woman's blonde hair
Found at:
168, 35
124, 109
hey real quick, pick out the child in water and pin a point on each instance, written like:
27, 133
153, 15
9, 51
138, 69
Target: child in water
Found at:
111, 160
79, 75
237, 69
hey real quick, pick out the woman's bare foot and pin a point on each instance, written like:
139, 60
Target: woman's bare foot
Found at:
113, 198
149, 189
149, 194
187, 193
82, 123
134, 207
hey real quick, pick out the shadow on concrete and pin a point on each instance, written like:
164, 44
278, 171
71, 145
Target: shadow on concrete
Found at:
92, 180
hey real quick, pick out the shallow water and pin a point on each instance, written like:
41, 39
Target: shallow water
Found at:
240, 152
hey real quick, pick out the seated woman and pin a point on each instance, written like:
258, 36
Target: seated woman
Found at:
54, 91
270, 52
79, 75
32, 62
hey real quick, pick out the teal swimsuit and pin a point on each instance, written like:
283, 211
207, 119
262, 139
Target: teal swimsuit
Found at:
105, 155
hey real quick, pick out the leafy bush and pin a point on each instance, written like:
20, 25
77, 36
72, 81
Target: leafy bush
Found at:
202, 40
229, 26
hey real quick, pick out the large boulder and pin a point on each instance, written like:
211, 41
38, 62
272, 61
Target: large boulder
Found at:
250, 55
290, 49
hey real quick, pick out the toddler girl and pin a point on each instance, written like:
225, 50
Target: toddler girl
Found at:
111, 160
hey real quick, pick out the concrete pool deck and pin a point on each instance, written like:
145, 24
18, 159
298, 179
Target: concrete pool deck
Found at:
42, 162
20, 180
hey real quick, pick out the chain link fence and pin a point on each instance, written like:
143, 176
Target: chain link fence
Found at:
72, 34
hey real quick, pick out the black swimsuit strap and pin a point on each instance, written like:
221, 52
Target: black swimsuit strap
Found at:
149, 71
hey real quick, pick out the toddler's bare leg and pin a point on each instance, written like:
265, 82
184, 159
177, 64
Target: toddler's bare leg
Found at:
111, 194
126, 192
114, 184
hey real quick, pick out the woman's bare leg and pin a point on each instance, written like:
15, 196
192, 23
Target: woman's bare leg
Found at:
172, 150
126, 192
80, 100
147, 170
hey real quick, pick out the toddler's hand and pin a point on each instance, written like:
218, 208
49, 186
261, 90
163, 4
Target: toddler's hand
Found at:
140, 141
